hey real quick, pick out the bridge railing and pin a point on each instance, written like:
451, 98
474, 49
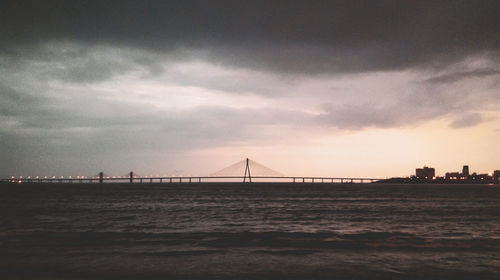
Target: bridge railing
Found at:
195, 179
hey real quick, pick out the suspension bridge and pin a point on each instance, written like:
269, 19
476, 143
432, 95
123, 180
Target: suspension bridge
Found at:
245, 171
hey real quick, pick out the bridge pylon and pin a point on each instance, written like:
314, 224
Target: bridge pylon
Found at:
247, 170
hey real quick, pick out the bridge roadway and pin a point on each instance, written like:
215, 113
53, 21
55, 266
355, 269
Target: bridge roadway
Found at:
196, 179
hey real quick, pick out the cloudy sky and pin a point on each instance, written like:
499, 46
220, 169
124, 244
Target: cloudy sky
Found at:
332, 88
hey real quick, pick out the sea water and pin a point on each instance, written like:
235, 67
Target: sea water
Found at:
249, 231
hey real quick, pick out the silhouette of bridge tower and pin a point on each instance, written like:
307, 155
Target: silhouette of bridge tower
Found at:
247, 168
243, 167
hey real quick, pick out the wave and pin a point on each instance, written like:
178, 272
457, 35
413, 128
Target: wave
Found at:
275, 240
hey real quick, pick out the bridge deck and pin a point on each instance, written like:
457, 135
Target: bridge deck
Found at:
195, 179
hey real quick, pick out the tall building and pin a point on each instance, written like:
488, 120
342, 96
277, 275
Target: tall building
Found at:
425, 173
465, 171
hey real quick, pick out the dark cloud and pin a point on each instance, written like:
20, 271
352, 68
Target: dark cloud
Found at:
14, 102
358, 117
453, 77
283, 36
43, 132
421, 104
83, 63
467, 120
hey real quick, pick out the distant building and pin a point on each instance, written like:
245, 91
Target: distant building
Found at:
452, 175
465, 171
425, 173
496, 175
483, 177
464, 175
